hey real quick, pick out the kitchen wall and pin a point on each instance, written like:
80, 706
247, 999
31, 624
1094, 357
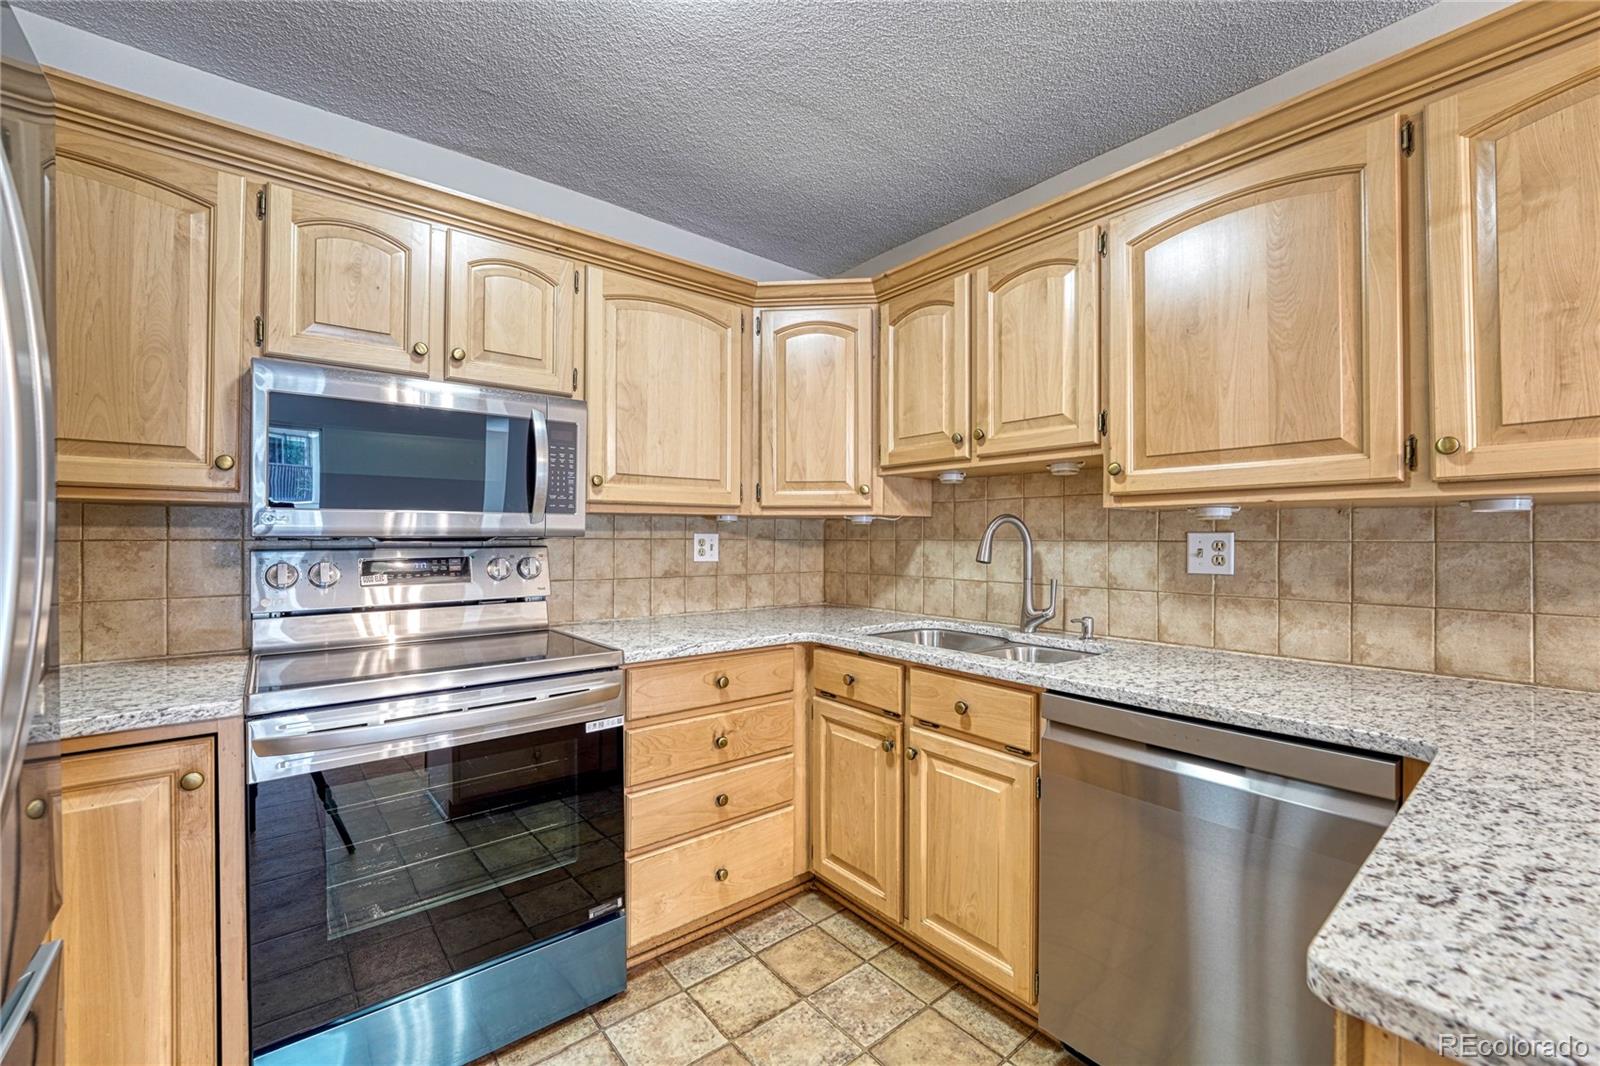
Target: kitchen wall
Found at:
1438, 589
145, 581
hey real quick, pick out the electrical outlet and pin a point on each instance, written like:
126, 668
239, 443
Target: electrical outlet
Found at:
1210, 553
705, 547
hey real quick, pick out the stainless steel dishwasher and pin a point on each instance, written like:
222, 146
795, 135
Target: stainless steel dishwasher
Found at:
1183, 870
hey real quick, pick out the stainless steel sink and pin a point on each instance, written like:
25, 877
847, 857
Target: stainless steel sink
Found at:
1035, 653
954, 639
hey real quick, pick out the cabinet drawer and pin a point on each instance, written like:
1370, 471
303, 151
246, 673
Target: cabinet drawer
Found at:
856, 678
682, 686
671, 748
676, 810
993, 712
679, 884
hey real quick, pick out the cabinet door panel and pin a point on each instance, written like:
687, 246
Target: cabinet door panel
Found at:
352, 284
925, 369
1514, 271
512, 315
139, 908
855, 804
970, 857
816, 407
1036, 364
1255, 328
149, 259
664, 394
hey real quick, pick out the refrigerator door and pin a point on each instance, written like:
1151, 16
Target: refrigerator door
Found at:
30, 1017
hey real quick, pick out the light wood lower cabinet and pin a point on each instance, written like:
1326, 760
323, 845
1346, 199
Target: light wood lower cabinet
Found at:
139, 912
856, 770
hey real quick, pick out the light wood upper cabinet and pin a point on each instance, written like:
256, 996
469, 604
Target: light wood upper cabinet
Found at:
924, 374
512, 315
139, 912
150, 337
1036, 356
1255, 334
664, 393
1513, 166
816, 408
347, 283
970, 857
856, 769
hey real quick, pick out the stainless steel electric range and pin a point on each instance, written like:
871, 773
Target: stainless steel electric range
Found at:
435, 806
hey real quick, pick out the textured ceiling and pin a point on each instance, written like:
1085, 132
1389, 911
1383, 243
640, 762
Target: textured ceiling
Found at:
817, 134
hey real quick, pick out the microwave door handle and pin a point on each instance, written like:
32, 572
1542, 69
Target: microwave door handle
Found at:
539, 461
449, 722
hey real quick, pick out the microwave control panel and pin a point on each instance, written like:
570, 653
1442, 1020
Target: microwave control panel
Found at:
563, 470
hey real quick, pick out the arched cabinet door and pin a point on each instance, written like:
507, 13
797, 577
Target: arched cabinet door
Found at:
351, 284
923, 378
816, 408
665, 411
1513, 165
1255, 335
512, 315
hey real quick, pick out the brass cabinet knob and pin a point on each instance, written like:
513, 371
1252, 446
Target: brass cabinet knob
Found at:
866, 490
722, 681
722, 873
849, 679
956, 439
911, 753
223, 462
458, 355
961, 707
596, 480
721, 741
1113, 468
191, 780
888, 745
1447, 445
722, 799
420, 348
978, 434
35, 809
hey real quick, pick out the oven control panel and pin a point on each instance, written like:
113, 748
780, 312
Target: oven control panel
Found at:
334, 579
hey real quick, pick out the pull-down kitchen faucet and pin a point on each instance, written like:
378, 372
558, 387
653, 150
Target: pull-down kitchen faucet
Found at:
1032, 617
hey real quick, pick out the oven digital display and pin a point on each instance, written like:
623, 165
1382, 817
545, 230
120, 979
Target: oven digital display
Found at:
396, 571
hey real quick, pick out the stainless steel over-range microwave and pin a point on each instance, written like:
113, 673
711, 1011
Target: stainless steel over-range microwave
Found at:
353, 453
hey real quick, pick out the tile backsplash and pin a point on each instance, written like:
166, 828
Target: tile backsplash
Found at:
1512, 596
144, 581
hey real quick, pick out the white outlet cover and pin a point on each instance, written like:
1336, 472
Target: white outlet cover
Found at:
1210, 553
705, 547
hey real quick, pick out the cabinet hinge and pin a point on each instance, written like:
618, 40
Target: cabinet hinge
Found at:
575, 277
574, 379
261, 202
758, 324
1038, 787
758, 492
1036, 986
1013, 749
261, 332
1408, 137
741, 321
1103, 244
1101, 424
1410, 452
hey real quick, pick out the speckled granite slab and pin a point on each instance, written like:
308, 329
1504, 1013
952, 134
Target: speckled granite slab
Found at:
1479, 912
111, 697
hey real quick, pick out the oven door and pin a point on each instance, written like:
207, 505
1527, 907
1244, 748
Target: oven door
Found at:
432, 886
352, 453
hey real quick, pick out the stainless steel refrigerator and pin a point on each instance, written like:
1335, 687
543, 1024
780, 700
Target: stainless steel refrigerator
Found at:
30, 962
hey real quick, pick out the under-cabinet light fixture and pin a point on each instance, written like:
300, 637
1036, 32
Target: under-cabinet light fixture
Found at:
1215, 510
1498, 504
1066, 467
727, 519
952, 477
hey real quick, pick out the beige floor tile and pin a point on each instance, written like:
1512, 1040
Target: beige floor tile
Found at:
727, 1055
547, 1042
914, 975
799, 1037
1040, 1050
594, 1051
931, 1038
998, 1031
674, 1032
695, 962
810, 959
855, 934
865, 1004
742, 997
813, 906
647, 986
760, 931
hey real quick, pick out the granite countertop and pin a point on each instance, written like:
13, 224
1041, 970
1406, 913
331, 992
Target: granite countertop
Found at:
100, 698
1479, 911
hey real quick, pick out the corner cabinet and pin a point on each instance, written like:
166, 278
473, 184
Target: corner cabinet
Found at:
856, 771
926, 353
512, 315
665, 394
1513, 164
150, 343
1255, 332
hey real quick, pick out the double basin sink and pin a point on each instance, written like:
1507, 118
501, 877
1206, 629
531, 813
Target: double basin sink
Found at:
983, 644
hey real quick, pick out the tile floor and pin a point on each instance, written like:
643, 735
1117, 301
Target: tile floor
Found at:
802, 983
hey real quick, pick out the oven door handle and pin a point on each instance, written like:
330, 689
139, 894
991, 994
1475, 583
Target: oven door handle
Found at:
443, 723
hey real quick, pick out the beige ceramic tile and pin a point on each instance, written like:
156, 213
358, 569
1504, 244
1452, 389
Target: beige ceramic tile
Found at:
124, 570
1484, 644
1172, 570
593, 1051
1084, 518
205, 523
813, 906
666, 595
1083, 563
1566, 651
1397, 637
695, 962
69, 571
1046, 517
742, 997
205, 568
1184, 619
912, 974
674, 1032
759, 556
765, 929
631, 598
630, 558
1566, 521
1314, 523
1392, 523
669, 557
855, 934
908, 594
732, 594
124, 521
592, 600
995, 1029
1042, 485
560, 602
931, 1038
700, 593
800, 1036
865, 1004
1484, 576
1308, 629
124, 629
1461, 523
597, 525
1132, 525
1314, 570
647, 985
672, 527
560, 558
545, 1043
591, 560
1255, 570
1005, 602
1132, 615
810, 959
727, 1055
208, 624
1075, 603
880, 557
1567, 577
1040, 1050
630, 526
69, 521
68, 634
1392, 572
970, 600
1252, 523
1178, 523
1247, 625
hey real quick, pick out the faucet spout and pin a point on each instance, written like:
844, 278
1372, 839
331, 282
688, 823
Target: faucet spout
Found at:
1032, 617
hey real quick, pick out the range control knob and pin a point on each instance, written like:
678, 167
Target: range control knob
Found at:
530, 567
282, 575
499, 568
323, 575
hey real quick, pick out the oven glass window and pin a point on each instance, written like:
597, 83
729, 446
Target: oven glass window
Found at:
369, 881
337, 454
